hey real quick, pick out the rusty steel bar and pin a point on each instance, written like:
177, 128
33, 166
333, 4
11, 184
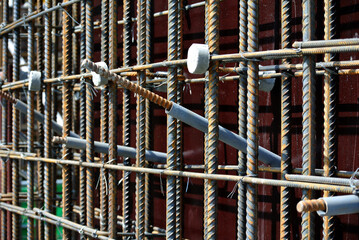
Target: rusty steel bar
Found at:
30, 123
140, 122
149, 33
49, 178
242, 120
82, 96
308, 131
186, 174
4, 118
112, 180
104, 115
171, 121
15, 124
89, 121
252, 122
66, 101
17, 22
286, 10
179, 142
330, 89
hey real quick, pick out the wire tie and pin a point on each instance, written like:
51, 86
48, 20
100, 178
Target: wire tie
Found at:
81, 231
299, 50
94, 234
353, 179
161, 184
230, 195
68, 14
187, 185
328, 69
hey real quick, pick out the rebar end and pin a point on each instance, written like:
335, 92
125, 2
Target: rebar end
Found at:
59, 140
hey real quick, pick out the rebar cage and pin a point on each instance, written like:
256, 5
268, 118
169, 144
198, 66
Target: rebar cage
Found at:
106, 134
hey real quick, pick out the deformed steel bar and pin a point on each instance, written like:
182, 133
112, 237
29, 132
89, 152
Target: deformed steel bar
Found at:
89, 121
327, 42
15, 124
30, 124
319, 172
323, 180
4, 118
172, 85
140, 122
286, 13
330, 89
163, 13
331, 206
186, 174
104, 115
112, 179
242, 120
66, 101
308, 129
252, 121
48, 168
126, 201
54, 220
20, 22
185, 115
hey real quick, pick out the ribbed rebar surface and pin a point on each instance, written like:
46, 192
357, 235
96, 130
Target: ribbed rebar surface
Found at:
252, 122
242, 120
66, 104
330, 95
309, 131
286, 10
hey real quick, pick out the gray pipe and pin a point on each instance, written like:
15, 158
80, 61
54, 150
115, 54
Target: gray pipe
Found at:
152, 156
22, 107
225, 135
340, 205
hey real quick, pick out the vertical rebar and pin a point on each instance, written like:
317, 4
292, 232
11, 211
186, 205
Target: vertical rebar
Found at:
252, 121
141, 122
205, 182
4, 114
112, 179
242, 121
309, 132
329, 113
126, 202
15, 124
179, 126
171, 122
213, 130
48, 178
147, 117
286, 10
104, 114
67, 103
82, 170
30, 123
89, 120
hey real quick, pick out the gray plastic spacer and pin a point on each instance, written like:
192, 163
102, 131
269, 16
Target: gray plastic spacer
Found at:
266, 84
198, 58
96, 78
34, 81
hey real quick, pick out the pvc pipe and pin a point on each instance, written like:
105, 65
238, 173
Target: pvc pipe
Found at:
225, 135
340, 205
152, 156
22, 107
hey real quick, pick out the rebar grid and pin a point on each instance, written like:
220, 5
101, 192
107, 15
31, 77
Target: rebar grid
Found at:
105, 212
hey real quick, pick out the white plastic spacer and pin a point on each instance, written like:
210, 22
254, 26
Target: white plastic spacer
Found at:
96, 78
34, 81
198, 58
